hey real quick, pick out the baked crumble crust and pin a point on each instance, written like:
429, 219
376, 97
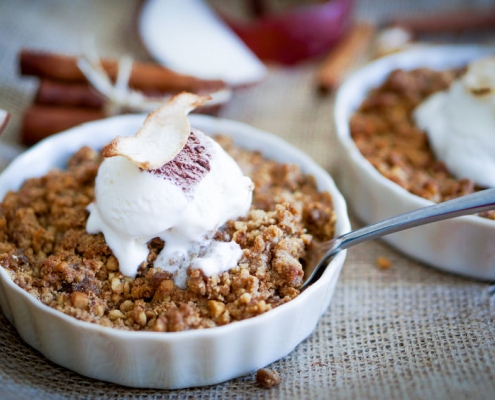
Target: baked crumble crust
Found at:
268, 378
384, 131
45, 248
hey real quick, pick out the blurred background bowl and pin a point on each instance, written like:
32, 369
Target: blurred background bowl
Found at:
463, 245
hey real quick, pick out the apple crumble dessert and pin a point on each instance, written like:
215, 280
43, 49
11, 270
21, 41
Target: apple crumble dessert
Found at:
386, 132
47, 251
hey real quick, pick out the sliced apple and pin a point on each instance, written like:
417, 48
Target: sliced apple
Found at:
162, 136
189, 37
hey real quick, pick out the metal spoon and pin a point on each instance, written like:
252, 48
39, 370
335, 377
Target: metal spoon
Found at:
319, 254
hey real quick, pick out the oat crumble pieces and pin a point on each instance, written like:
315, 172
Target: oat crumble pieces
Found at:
384, 131
268, 378
383, 262
45, 248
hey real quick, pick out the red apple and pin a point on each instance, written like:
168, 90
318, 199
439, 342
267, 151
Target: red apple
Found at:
297, 34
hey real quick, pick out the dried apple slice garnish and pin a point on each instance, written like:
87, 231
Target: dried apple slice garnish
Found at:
162, 136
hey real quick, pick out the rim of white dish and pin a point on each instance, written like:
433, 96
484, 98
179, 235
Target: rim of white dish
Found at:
373, 74
219, 124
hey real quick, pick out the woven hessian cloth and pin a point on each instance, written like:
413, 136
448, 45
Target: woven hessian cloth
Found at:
406, 332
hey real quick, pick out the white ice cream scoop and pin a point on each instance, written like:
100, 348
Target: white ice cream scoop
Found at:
460, 124
183, 202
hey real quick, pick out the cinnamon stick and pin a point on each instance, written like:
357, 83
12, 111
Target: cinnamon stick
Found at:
40, 121
337, 64
144, 76
4, 119
57, 93
452, 22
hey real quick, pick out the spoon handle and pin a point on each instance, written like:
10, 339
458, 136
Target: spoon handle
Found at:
469, 204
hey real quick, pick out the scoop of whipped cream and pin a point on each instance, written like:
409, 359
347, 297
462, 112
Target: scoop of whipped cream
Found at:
460, 123
183, 202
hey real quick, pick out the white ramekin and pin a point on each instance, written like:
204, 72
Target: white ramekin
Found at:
465, 245
166, 360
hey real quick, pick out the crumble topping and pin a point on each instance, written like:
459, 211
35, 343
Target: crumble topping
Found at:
268, 378
47, 251
384, 131
383, 262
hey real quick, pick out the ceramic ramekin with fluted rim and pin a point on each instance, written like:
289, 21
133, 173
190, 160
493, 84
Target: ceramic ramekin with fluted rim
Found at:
464, 245
174, 359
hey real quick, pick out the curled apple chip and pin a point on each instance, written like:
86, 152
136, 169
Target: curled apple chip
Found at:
162, 136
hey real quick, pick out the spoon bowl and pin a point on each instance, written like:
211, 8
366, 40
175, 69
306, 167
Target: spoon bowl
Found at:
320, 253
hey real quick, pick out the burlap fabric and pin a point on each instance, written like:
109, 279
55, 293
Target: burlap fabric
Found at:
406, 332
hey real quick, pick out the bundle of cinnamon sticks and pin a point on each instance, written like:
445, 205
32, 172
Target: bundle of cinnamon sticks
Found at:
65, 98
